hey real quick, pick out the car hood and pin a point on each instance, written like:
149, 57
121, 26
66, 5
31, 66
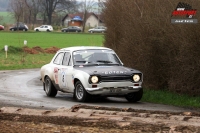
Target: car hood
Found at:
107, 70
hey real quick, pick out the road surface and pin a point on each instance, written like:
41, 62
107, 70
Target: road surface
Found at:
23, 88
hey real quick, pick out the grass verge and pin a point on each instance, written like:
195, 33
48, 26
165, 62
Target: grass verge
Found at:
24, 61
169, 98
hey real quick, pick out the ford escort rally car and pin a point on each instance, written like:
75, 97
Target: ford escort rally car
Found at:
91, 71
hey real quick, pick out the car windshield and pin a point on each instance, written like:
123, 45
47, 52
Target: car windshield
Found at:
95, 57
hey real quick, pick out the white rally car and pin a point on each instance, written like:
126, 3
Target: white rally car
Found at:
91, 71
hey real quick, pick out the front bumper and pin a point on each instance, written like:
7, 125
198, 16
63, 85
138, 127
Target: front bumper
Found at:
114, 88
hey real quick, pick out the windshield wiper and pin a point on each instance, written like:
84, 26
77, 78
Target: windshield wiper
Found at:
81, 61
104, 61
86, 63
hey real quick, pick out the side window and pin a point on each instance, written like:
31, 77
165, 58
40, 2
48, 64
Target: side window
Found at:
66, 59
58, 59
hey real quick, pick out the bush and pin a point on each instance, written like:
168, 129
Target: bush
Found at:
141, 33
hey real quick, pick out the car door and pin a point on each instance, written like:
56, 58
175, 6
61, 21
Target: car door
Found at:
72, 29
56, 67
69, 29
41, 28
97, 29
65, 74
45, 28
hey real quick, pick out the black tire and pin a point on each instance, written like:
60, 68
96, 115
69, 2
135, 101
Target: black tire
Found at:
37, 30
49, 87
48, 30
135, 96
80, 93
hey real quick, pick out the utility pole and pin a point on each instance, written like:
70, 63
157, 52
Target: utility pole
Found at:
98, 12
84, 16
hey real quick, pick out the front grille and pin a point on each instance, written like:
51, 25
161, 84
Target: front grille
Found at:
115, 78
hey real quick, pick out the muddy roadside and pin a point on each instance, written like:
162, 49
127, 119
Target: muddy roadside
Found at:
87, 119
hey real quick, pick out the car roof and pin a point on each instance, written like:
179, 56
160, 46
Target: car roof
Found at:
75, 48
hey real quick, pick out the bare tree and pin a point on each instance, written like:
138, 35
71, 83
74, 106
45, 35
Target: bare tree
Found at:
86, 6
50, 6
33, 7
17, 7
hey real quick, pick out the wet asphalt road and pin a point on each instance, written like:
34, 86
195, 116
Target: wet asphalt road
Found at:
23, 88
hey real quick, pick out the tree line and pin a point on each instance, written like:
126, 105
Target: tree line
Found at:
27, 11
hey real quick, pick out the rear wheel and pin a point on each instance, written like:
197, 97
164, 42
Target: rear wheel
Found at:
80, 93
91, 31
134, 96
49, 88
48, 30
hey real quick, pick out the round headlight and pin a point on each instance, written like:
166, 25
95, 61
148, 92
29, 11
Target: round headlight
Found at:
136, 78
94, 79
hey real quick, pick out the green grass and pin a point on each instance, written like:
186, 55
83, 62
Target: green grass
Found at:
46, 39
24, 61
7, 18
169, 98
15, 41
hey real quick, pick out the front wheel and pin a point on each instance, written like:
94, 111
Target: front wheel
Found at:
49, 88
134, 96
80, 93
